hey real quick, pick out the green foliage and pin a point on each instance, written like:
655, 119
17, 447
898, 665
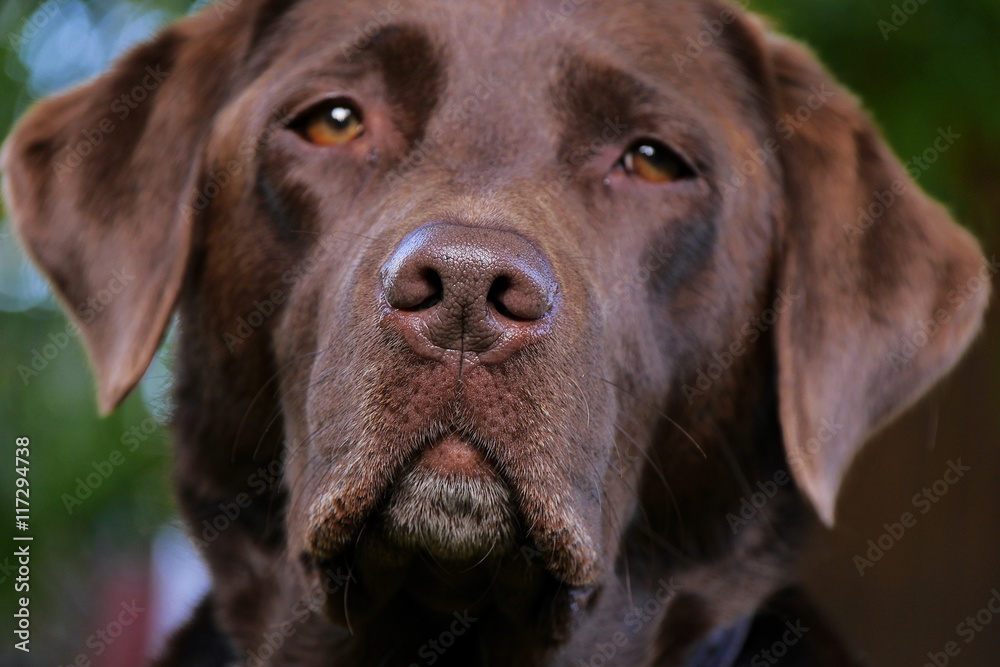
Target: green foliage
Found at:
940, 68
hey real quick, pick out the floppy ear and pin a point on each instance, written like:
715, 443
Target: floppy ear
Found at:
889, 290
98, 180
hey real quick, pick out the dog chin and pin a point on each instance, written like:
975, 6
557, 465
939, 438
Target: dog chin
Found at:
452, 506
446, 528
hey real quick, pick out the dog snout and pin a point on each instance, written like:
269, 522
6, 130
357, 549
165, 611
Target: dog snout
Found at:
469, 289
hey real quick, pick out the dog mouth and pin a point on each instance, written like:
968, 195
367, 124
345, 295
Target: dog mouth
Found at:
451, 495
457, 500
445, 531
451, 504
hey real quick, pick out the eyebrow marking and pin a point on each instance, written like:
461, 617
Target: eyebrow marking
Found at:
412, 67
602, 101
267, 18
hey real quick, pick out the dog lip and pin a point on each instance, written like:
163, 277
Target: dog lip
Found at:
445, 462
454, 456
363, 487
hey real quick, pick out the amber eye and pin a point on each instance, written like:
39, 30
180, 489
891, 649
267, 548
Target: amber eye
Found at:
655, 163
332, 123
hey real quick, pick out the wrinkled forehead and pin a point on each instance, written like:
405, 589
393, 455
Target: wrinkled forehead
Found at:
677, 54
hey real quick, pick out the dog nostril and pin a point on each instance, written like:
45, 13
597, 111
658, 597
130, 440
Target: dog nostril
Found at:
523, 299
515, 302
496, 294
413, 289
434, 290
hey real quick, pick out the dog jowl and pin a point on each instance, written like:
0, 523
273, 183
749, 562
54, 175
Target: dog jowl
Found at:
446, 287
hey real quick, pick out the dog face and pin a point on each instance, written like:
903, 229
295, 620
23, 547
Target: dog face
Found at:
473, 316
507, 289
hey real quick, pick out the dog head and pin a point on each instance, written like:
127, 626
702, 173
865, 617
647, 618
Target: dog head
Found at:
521, 284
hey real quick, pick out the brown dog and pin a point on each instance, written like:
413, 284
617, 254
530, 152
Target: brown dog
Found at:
493, 316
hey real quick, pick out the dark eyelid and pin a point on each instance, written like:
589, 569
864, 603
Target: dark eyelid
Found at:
691, 169
304, 109
682, 137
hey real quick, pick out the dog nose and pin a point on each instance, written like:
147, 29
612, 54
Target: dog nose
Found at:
469, 288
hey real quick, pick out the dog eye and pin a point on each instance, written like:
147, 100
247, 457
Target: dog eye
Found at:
332, 123
655, 163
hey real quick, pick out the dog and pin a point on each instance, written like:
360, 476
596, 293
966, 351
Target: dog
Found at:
492, 317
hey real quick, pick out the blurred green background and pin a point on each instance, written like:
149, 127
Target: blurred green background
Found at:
918, 67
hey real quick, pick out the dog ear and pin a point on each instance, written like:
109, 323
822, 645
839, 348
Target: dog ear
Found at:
887, 291
98, 182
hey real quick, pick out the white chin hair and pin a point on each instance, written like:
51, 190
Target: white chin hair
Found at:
453, 518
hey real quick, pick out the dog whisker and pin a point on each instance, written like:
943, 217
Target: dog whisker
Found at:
274, 377
661, 413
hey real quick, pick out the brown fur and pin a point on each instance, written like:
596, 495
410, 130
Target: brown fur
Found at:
621, 465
